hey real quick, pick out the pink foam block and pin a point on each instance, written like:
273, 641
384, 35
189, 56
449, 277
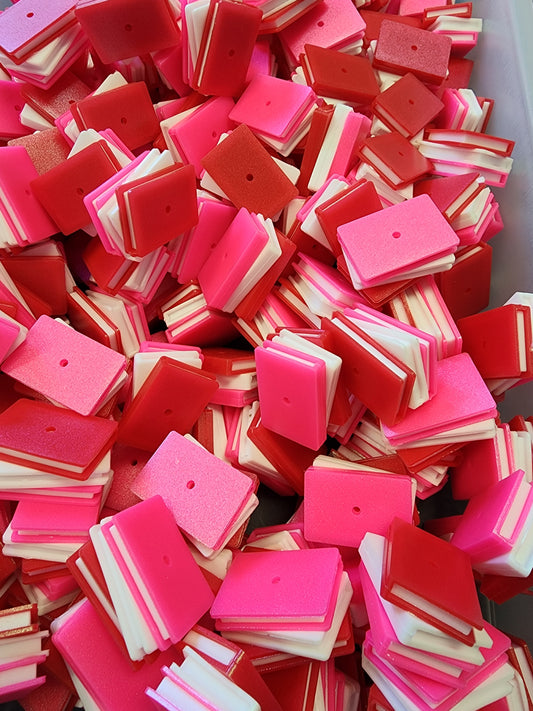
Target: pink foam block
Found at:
36, 517
198, 133
420, 692
214, 218
329, 24
98, 197
386, 244
23, 25
341, 506
30, 221
65, 366
292, 393
462, 398
273, 106
54, 439
494, 518
162, 560
205, 494
231, 259
280, 590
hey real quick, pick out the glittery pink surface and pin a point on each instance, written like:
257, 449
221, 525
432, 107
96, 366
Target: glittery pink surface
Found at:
65, 366
462, 398
204, 493
55, 434
46, 148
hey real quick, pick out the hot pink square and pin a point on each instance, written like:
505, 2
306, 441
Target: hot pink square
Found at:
204, 493
65, 366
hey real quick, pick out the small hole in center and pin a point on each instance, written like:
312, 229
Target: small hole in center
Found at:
396, 235
168, 411
249, 177
320, 23
50, 429
356, 510
190, 484
134, 463
276, 580
128, 28
63, 363
123, 120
